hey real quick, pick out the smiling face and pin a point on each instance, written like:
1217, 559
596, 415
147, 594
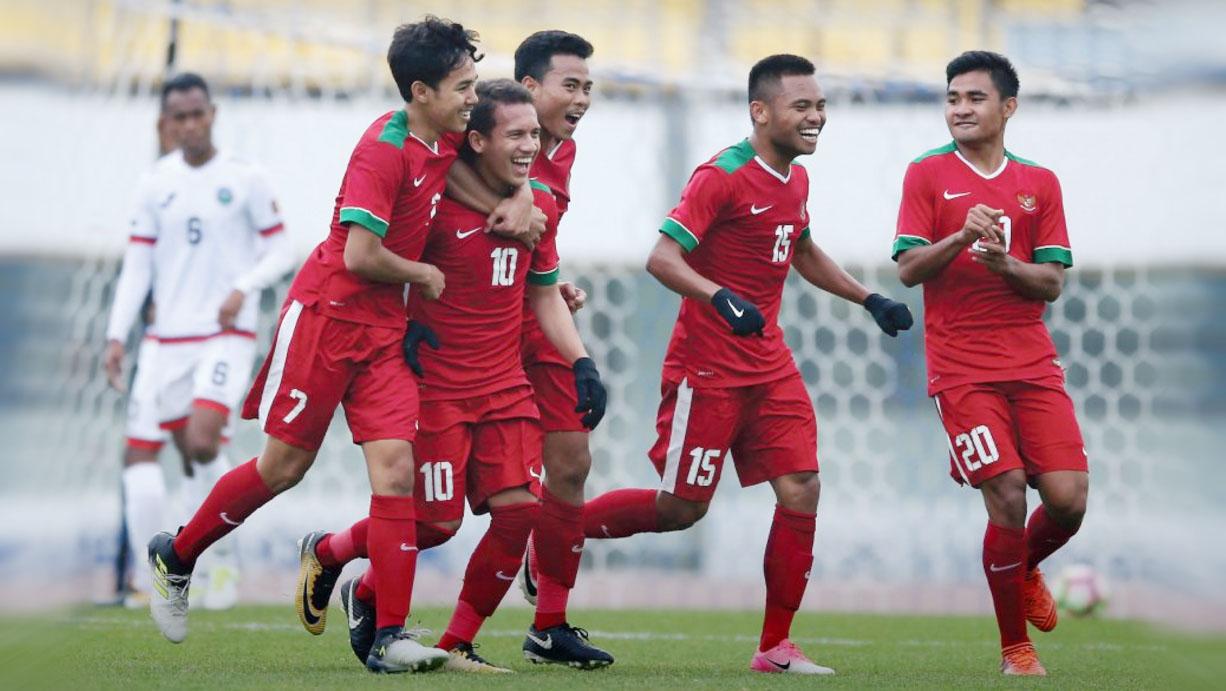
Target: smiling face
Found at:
974, 110
504, 157
793, 116
563, 95
187, 122
449, 106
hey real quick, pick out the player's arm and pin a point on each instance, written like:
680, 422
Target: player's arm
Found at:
1032, 281
554, 318
515, 216
366, 256
667, 264
816, 267
135, 281
918, 264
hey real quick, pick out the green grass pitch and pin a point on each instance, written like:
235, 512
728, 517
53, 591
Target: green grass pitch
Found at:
264, 647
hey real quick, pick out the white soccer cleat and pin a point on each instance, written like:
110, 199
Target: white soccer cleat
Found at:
785, 658
168, 601
222, 590
399, 651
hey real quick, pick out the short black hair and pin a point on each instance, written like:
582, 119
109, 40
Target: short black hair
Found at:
1004, 77
533, 56
184, 81
428, 51
492, 93
771, 69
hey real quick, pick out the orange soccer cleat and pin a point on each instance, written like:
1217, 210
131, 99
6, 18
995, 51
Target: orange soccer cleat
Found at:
1040, 605
1022, 661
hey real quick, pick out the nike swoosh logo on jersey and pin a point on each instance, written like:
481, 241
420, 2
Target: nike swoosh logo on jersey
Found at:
753, 209
461, 235
502, 576
997, 569
737, 312
417, 181
545, 643
166, 203
955, 196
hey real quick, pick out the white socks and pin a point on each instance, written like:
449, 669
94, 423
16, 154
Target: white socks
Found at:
144, 494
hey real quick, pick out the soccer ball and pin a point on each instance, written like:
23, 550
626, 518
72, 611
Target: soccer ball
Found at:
1080, 591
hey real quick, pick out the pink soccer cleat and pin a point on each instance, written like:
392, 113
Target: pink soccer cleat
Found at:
785, 658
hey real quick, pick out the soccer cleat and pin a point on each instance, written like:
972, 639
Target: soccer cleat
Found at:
464, 658
315, 584
222, 590
1021, 661
1039, 604
785, 658
564, 645
528, 574
171, 579
361, 619
396, 650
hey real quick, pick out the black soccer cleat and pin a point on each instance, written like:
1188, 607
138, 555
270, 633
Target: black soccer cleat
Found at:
396, 650
315, 584
361, 620
564, 645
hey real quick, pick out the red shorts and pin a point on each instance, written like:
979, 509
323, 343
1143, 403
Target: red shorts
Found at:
475, 448
552, 379
1000, 426
769, 430
318, 362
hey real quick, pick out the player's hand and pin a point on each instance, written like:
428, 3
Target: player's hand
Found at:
890, 315
993, 256
742, 315
982, 221
517, 218
589, 391
574, 296
228, 314
112, 362
414, 334
431, 283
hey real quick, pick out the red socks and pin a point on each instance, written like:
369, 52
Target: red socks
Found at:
392, 542
1004, 563
558, 547
621, 513
1044, 536
428, 535
235, 497
789, 556
491, 570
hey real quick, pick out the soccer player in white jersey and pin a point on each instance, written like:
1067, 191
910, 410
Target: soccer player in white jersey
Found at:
206, 237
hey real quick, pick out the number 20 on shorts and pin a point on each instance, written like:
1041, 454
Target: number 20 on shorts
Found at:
977, 448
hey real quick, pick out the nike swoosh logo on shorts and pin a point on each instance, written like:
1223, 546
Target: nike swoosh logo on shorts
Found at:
407, 548
502, 576
577, 549
229, 521
997, 569
462, 235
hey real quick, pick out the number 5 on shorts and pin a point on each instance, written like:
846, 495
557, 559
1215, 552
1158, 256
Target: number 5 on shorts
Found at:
299, 396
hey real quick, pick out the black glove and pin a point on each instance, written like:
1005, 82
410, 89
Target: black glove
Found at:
891, 316
413, 336
589, 392
742, 315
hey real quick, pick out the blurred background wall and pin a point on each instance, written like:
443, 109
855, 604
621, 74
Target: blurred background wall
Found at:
1123, 100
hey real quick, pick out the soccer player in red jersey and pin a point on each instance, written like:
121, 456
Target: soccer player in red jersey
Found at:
984, 231
339, 342
479, 435
729, 384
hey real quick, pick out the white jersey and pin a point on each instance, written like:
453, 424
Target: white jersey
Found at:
210, 230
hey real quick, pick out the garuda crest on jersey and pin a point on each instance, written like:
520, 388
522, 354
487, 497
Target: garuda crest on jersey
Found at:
1027, 201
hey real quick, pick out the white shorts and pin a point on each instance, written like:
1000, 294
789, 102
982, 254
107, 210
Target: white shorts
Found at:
143, 430
211, 373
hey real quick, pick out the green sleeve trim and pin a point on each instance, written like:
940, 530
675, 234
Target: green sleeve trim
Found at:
1018, 159
905, 242
364, 218
547, 278
735, 156
948, 148
804, 234
538, 185
395, 130
680, 233
1053, 254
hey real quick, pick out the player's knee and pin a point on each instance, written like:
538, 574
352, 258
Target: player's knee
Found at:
567, 460
799, 491
1067, 508
1005, 498
282, 472
679, 514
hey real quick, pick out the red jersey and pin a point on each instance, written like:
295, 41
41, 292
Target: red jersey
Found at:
391, 188
738, 219
553, 169
978, 329
477, 318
